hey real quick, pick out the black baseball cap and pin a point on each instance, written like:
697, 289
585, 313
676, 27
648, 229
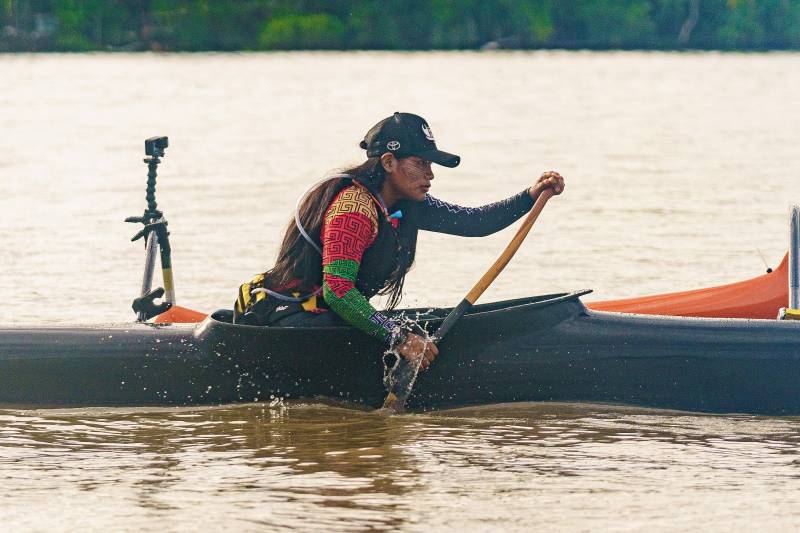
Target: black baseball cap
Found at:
405, 134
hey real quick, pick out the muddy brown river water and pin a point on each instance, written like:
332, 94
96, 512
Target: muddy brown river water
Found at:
680, 169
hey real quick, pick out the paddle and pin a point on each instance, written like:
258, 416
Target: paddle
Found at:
406, 373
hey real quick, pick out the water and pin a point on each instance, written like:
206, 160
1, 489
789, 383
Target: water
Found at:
513, 467
679, 168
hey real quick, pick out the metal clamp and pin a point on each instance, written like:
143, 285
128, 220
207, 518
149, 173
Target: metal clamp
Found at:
145, 306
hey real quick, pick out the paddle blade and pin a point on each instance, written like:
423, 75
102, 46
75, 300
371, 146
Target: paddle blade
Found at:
393, 403
404, 377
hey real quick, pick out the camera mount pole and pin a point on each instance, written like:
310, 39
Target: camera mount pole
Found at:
156, 237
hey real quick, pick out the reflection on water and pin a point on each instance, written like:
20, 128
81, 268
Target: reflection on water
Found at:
330, 467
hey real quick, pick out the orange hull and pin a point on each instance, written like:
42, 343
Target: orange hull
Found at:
760, 297
179, 315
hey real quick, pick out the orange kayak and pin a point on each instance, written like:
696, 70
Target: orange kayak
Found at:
759, 297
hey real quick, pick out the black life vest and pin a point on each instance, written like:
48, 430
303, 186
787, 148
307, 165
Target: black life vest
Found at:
393, 249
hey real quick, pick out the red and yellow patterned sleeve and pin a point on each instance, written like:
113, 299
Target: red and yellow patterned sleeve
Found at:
350, 226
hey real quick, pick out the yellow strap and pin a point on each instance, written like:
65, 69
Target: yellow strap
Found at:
246, 299
169, 283
243, 299
310, 304
791, 314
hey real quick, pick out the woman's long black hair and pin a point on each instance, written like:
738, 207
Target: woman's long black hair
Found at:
298, 261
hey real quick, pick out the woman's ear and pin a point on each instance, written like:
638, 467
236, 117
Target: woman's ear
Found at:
389, 162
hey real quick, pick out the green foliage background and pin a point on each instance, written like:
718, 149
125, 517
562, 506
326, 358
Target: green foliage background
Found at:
195, 25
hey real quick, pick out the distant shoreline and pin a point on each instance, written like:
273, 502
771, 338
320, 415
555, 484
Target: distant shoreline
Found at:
690, 51
398, 25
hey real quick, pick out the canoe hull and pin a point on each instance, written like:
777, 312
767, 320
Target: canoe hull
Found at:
548, 348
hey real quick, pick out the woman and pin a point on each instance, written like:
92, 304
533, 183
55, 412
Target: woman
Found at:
354, 236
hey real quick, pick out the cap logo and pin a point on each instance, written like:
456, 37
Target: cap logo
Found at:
428, 133
393, 145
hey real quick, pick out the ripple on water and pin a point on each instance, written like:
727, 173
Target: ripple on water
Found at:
311, 465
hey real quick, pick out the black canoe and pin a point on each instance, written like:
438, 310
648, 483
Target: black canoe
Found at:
546, 348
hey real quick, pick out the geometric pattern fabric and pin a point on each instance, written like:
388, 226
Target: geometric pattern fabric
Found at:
349, 227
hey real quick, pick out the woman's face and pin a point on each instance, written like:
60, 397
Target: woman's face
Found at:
409, 178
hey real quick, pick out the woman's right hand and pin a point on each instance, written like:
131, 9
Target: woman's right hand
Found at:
548, 180
417, 348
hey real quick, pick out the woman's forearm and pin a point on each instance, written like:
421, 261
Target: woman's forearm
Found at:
346, 300
437, 215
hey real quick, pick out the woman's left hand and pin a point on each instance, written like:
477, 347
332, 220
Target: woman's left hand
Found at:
548, 180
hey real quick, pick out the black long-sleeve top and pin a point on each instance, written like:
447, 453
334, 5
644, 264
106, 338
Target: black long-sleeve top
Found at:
442, 217
363, 246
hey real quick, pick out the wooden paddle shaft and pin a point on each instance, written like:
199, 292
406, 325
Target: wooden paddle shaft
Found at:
498, 266
510, 250
406, 374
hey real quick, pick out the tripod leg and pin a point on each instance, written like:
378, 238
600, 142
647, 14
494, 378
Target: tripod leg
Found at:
166, 263
149, 266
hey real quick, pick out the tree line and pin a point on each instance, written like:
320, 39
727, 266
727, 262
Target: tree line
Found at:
207, 25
